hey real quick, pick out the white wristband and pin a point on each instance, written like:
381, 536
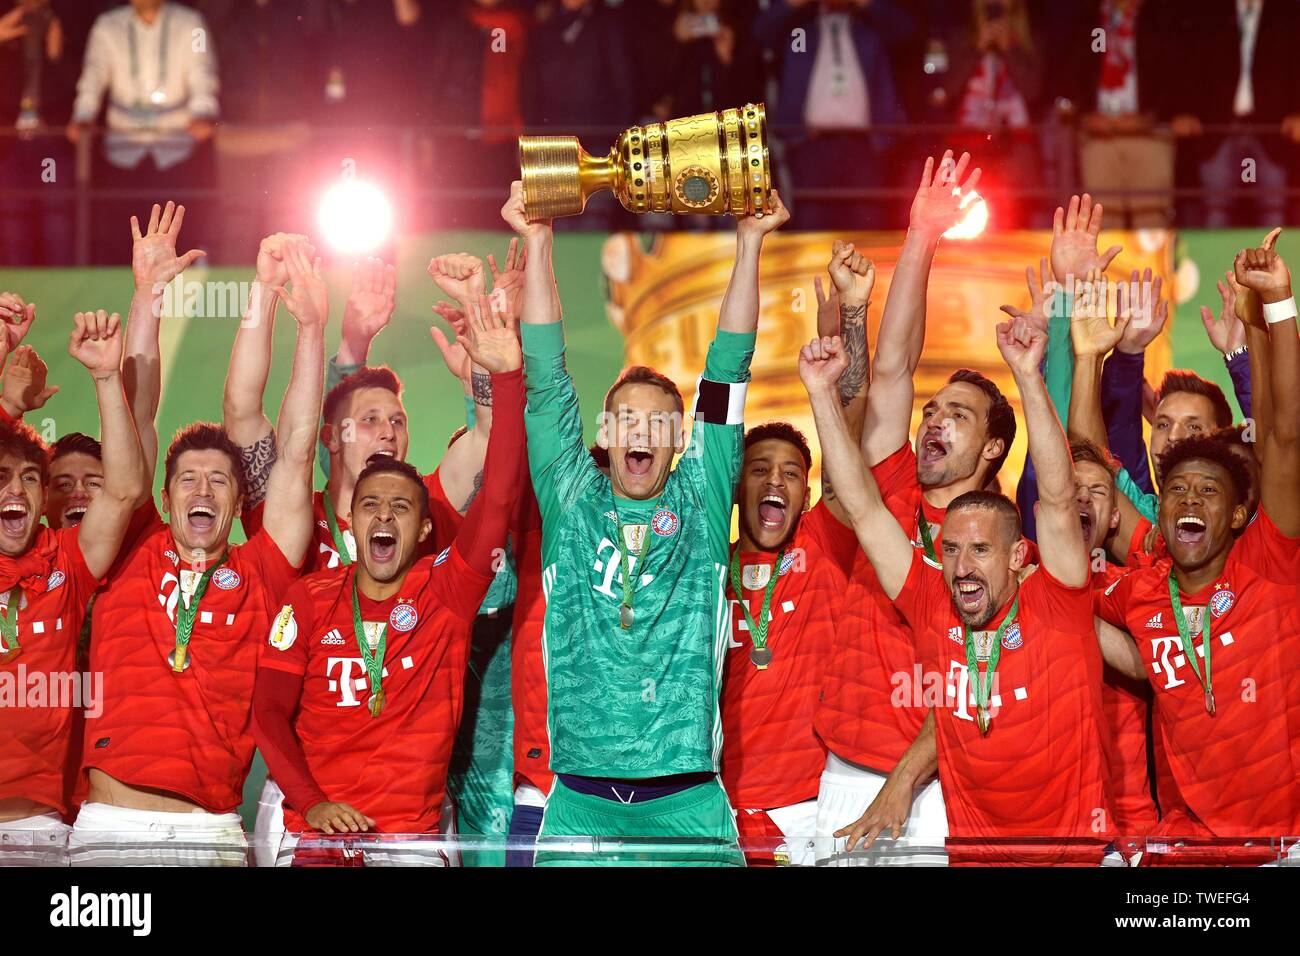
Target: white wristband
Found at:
1279, 311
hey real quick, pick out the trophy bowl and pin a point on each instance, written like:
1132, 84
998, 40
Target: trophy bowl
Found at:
710, 163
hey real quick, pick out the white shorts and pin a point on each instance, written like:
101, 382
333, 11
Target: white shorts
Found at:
268, 826
394, 854
798, 824
105, 835
846, 791
41, 840
526, 795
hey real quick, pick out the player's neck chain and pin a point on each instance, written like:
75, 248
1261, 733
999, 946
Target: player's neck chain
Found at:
927, 539
760, 654
1185, 637
180, 658
626, 616
374, 659
984, 682
340, 545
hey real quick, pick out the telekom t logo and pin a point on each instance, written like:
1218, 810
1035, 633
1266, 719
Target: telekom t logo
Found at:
1161, 649
611, 569
346, 681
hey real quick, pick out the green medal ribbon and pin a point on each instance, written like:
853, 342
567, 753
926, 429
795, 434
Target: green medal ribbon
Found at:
625, 615
982, 691
340, 545
9, 623
760, 655
374, 659
927, 540
1184, 635
185, 616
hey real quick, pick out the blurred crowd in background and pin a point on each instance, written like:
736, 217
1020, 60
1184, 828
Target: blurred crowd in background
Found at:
1173, 112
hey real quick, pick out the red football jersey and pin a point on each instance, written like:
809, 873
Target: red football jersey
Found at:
1237, 770
393, 767
859, 717
771, 756
37, 705
1126, 703
321, 553
186, 733
1041, 770
532, 742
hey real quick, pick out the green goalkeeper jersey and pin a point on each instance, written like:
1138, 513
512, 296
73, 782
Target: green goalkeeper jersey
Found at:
643, 701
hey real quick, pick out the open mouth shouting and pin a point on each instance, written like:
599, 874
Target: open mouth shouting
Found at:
933, 448
638, 460
382, 545
1086, 520
772, 509
202, 518
72, 516
14, 515
1190, 530
969, 593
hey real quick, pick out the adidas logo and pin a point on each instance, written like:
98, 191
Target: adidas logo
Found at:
333, 637
1155, 621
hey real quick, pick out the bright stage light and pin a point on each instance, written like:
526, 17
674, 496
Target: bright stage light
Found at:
976, 218
355, 217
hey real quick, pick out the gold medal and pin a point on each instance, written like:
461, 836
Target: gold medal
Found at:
179, 659
625, 616
982, 718
376, 702
761, 657
11, 654
1209, 701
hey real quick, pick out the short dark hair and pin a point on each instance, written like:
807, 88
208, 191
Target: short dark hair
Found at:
1001, 417
993, 501
1183, 380
644, 375
1084, 449
76, 443
388, 465
368, 376
1212, 449
205, 436
20, 439
781, 431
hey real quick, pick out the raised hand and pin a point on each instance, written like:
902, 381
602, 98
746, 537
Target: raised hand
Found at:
937, 205
513, 213
17, 315
96, 341
271, 269
1247, 304
1041, 290
1143, 311
24, 383
459, 275
828, 309
1229, 333
760, 224
492, 339
330, 817
453, 353
308, 299
1263, 272
154, 261
853, 274
370, 304
1022, 346
1074, 240
821, 363
1090, 330
508, 283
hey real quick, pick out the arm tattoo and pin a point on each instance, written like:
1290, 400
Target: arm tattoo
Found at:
481, 385
853, 331
478, 486
257, 460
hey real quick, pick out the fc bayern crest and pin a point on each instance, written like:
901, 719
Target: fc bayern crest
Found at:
1011, 638
403, 618
171, 556
664, 522
1221, 603
226, 578
787, 563
54, 580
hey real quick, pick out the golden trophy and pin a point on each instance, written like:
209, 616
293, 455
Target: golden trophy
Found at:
711, 163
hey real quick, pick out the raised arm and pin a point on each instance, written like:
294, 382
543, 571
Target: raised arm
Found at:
154, 264
821, 363
1059, 544
1263, 271
739, 311
24, 389
541, 299
96, 342
935, 210
288, 516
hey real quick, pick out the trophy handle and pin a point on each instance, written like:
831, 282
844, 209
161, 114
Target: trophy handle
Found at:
559, 175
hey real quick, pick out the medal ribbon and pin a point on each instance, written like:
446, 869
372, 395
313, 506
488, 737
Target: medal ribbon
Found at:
927, 540
757, 630
374, 659
185, 617
134, 54
9, 623
629, 585
1184, 635
340, 545
983, 692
